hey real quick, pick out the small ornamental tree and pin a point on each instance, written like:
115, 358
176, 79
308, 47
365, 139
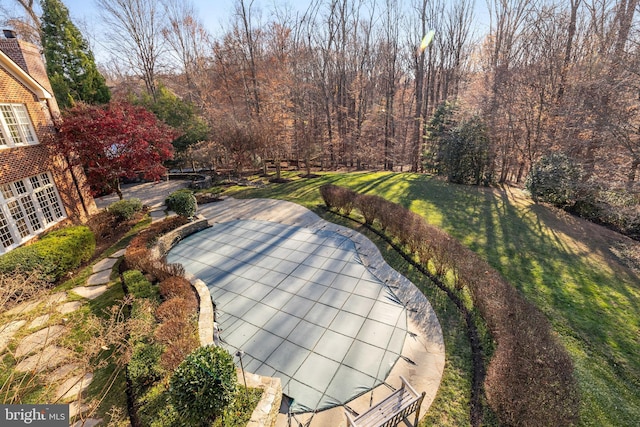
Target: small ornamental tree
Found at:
114, 141
204, 385
463, 155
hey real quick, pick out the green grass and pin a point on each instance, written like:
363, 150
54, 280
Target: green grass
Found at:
592, 302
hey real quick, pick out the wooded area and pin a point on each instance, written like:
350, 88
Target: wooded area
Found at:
345, 84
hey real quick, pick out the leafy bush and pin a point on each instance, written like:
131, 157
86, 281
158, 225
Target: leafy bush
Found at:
124, 210
182, 202
138, 285
204, 384
370, 206
554, 179
615, 208
176, 308
154, 409
177, 351
54, 255
143, 368
142, 321
338, 198
177, 287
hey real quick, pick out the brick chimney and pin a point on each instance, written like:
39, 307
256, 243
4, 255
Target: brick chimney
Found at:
29, 58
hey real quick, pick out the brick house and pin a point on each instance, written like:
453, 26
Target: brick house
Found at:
38, 189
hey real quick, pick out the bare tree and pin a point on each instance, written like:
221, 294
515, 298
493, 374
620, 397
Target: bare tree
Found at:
136, 35
188, 41
27, 27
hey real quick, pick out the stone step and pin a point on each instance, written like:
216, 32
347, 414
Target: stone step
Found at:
90, 292
7, 332
48, 358
68, 307
118, 254
77, 408
100, 278
72, 387
38, 340
23, 308
105, 264
62, 372
39, 321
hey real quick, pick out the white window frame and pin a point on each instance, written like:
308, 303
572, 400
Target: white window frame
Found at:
27, 208
23, 132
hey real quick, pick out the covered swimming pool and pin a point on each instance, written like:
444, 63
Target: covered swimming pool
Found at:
301, 305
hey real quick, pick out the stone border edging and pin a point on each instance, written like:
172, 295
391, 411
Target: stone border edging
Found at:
205, 312
169, 240
267, 409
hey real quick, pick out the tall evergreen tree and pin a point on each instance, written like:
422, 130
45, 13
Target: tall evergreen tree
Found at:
70, 63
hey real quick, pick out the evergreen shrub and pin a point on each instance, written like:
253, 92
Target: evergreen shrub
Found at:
204, 385
182, 202
124, 210
144, 368
54, 255
554, 179
138, 285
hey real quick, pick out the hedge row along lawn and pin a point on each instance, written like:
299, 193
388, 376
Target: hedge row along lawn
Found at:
564, 265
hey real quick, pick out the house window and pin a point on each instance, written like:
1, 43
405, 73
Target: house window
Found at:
15, 126
28, 207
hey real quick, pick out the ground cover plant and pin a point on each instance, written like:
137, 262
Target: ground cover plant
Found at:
565, 266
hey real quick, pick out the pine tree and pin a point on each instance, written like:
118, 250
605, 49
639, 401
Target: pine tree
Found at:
70, 63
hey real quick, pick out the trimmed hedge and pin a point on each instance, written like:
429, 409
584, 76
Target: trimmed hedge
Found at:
529, 379
124, 210
204, 385
54, 255
182, 202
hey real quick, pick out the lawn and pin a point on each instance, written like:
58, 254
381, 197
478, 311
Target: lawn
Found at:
564, 265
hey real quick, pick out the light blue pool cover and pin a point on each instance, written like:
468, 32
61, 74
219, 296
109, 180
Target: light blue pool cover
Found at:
301, 306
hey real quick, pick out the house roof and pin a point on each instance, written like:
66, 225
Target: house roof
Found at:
16, 71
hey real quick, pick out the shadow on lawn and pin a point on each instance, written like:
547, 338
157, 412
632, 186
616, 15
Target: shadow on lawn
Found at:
561, 263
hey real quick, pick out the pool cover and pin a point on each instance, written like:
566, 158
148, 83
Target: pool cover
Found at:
302, 307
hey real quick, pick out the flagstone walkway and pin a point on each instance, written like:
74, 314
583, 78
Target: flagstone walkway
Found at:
37, 351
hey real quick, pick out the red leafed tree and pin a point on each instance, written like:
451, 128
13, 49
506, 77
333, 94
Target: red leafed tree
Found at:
114, 141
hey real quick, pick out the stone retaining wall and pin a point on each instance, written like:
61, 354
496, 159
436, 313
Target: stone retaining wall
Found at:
266, 412
169, 240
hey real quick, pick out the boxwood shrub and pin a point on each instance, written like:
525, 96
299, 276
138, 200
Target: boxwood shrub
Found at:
138, 285
54, 255
182, 202
124, 210
204, 385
